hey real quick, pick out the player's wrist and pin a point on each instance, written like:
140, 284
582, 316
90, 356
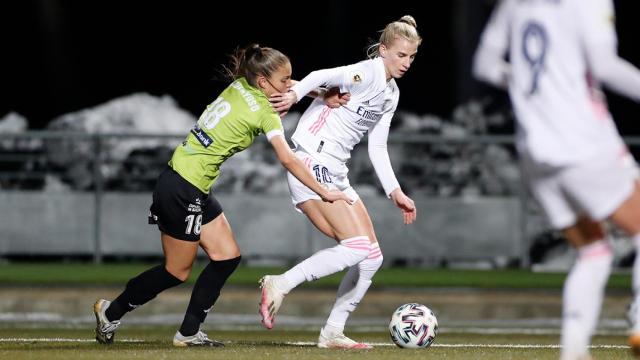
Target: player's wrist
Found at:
395, 193
324, 191
293, 95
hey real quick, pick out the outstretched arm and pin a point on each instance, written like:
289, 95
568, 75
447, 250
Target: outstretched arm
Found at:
382, 165
333, 98
600, 42
296, 167
330, 78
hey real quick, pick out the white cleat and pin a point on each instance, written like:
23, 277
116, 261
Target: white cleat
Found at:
270, 300
199, 339
340, 341
105, 329
576, 357
634, 334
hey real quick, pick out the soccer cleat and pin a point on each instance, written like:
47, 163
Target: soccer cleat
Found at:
576, 357
105, 329
340, 341
270, 301
199, 339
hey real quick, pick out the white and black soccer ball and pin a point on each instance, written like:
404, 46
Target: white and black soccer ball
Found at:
413, 326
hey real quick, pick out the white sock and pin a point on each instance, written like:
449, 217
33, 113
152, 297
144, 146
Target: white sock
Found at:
325, 262
635, 275
635, 281
352, 289
582, 298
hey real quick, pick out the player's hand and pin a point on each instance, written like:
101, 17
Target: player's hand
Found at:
282, 102
334, 98
336, 195
406, 205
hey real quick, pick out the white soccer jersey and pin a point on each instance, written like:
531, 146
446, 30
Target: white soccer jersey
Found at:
336, 131
554, 47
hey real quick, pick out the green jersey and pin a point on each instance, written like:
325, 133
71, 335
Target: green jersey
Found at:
229, 125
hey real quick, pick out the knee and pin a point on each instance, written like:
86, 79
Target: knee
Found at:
179, 272
224, 254
358, 246
375, 258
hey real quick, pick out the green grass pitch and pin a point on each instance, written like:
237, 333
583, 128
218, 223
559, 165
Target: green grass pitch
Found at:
155, 343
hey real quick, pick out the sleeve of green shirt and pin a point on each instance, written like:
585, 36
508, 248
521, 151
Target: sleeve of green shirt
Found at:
271, 125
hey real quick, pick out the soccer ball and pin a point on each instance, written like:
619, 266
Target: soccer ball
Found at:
413, 326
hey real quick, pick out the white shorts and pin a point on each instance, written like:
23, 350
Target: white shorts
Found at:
327, 170
595, 188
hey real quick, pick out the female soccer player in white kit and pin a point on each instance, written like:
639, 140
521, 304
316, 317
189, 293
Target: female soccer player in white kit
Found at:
577, 165
324, 139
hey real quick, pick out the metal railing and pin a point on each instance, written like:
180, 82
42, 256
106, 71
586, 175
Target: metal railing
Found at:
34, 155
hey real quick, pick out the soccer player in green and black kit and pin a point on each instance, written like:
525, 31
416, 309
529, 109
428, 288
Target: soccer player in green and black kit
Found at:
189, 216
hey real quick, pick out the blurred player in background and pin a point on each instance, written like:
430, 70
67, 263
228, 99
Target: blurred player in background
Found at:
576, 163
188, 215
324, 139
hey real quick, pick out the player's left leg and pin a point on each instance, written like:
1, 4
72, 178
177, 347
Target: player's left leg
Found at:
584, 287
627, 217
352, 288
179, 256
218, 241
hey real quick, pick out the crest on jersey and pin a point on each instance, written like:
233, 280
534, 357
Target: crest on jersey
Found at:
356, 77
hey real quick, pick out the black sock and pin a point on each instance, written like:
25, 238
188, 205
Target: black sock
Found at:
140, 290
206, 292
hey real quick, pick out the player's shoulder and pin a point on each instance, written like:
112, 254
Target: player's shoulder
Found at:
366, 70
366, 76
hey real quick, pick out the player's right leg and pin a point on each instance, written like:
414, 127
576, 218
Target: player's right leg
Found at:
566, 195
218, 241
584, 287
353, 287
338, 220
627, 217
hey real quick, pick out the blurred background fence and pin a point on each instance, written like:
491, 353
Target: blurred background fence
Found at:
78, 195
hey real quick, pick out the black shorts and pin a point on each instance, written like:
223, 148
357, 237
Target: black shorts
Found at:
179, 208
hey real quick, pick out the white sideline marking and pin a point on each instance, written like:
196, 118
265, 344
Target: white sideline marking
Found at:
21, 340
309, 343
495, 346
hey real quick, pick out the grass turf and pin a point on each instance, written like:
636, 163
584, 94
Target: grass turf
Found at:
117, 274
155, 343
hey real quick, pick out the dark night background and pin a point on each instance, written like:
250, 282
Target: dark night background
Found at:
61, 56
